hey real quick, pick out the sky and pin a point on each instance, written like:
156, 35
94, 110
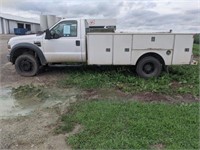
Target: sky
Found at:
131, 15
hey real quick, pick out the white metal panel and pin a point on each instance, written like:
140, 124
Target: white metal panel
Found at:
145, 41
83, 40
43, 22
98, 49
5, 24
51, 20
1, 25
101, 22
63, 49
141, 33
35, 28
12, 25
181, 55
136, 54
122, 49
18, 18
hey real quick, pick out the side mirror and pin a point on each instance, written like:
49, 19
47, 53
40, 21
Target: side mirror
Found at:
56, 36
48, 34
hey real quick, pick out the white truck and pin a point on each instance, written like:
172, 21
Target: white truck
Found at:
95, 42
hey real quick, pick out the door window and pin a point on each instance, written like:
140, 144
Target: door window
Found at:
20, 25
28, 27
65, 29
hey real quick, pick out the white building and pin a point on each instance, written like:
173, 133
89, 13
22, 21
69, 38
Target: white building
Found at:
9, 22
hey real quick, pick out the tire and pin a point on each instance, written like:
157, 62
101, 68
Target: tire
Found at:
149, 67
27, 65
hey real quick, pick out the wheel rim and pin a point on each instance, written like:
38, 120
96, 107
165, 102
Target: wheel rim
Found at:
26, 65
148, 68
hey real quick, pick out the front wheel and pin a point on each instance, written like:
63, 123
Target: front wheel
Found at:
149, 67
26, 65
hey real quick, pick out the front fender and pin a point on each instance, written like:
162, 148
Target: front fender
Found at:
16, 50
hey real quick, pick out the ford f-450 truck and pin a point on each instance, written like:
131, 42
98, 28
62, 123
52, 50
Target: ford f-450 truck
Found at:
95, 42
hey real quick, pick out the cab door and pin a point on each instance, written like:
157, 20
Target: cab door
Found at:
64, 45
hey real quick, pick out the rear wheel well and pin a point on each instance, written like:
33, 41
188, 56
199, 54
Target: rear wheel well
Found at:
19, 52
157, 56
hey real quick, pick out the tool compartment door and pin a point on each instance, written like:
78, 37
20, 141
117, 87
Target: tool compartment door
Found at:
153, 41
122, 49
99, 49
182, 49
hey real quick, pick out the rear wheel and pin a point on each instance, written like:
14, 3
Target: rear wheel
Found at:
149, 67
26, 65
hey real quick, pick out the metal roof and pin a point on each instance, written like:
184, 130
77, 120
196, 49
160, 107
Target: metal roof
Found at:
18, 18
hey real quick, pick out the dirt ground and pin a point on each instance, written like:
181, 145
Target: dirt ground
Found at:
30, 124
26, 124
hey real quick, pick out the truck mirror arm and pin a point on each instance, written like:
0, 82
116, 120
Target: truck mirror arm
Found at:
48, 34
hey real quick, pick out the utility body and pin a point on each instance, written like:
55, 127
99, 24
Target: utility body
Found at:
95, 42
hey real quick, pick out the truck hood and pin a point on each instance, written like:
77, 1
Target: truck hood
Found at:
25, 39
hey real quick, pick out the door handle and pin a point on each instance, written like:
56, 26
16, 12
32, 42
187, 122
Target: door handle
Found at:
126, 49
78, 43
107, 49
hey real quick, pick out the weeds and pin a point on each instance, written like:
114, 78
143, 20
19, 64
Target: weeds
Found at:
196, 49
180, 80
29, 91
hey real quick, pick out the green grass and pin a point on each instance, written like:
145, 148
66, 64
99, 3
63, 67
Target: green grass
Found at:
29, 91
40, 93
196, 38
180, 80
196, 49
133, 125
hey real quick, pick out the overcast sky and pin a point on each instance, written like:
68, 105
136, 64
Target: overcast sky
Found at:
135, 15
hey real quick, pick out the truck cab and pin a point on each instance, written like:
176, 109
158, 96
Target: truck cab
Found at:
65, 42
